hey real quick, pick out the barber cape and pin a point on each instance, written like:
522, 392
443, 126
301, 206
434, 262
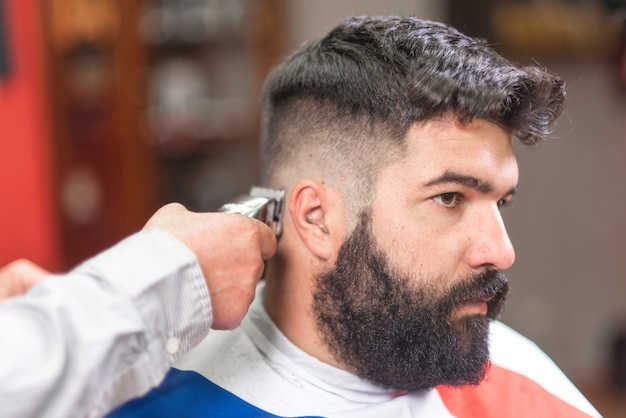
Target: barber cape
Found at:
255, 371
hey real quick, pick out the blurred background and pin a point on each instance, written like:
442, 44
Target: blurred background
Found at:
110, 108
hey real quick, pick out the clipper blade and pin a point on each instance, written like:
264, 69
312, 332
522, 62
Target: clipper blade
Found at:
262, 203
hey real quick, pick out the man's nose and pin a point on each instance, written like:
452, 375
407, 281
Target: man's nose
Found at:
489, 243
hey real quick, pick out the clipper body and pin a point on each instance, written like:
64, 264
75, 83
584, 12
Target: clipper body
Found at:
262, 203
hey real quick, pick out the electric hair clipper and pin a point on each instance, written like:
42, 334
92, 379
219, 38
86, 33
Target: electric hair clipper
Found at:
262, 203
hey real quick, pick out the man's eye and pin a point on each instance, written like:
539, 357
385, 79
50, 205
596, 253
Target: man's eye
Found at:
504, 203
448, 200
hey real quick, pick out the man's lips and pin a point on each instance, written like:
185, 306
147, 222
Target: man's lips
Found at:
473, 307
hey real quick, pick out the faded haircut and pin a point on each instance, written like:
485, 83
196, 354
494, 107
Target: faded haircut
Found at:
340, 106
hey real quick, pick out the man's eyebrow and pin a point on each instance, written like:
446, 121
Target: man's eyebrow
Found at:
471, 182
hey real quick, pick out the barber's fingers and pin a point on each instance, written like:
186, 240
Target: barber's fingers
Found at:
168, 216
186, 226
17, 277
267, 240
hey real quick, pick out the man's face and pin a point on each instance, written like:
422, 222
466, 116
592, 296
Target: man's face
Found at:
416, 282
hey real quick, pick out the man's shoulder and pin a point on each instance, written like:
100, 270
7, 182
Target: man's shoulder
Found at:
186, 393
220, 353
512, 351
219, 377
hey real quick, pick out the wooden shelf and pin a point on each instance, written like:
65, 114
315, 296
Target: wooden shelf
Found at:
143, 116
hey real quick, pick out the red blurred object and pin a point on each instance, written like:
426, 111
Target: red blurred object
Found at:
28, 209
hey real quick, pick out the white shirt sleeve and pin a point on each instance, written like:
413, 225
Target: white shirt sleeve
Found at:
79, 344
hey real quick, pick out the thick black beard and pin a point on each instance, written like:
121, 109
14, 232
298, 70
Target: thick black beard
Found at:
387, 330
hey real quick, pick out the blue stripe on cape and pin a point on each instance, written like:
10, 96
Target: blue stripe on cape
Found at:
188, 394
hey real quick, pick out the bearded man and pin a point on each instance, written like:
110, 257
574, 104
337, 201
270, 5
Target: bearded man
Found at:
393, 139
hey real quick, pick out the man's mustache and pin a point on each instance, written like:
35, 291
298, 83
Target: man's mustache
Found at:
491, 286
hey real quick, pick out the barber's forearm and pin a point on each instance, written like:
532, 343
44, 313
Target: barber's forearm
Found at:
162, 279
166, 286
104, 333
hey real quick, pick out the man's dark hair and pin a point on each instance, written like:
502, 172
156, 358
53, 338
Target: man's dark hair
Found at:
343, 103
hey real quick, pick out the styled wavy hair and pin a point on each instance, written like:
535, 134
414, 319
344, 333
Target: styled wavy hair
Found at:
342, 104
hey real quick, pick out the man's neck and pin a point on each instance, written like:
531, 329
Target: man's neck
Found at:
288, 301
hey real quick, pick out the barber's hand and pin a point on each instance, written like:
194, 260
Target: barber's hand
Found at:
19, 276
231, 250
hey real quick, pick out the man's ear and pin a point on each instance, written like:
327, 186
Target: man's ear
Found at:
314, 210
